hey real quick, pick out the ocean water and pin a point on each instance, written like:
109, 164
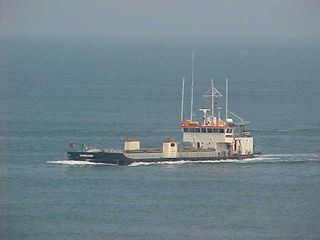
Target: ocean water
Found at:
99, 91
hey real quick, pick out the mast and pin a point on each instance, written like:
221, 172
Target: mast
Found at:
212, 99
182, 99
213, 93
192, 82
226, 99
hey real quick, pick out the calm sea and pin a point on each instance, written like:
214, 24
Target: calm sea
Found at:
99, 91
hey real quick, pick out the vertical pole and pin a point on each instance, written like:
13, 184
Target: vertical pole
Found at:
212, 99
192, 82
226, 99
182, 100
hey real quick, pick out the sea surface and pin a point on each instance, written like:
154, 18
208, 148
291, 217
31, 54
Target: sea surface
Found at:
98, 91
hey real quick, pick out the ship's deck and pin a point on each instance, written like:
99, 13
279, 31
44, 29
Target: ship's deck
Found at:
147, 150
158, 150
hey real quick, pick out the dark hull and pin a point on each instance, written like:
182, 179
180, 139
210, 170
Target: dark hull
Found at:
121, 159
100, 157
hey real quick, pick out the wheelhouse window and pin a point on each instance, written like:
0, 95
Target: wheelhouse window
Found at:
204, 130
197, 130
209, 130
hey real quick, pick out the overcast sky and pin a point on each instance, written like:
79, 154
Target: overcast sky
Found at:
163, 18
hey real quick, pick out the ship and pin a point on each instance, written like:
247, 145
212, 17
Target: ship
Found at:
209, 139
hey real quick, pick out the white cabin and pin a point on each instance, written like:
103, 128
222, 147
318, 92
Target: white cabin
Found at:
225, 137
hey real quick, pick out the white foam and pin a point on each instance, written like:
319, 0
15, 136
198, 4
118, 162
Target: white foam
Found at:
295, 156
288, 155
74, 162
135, 164
269, 158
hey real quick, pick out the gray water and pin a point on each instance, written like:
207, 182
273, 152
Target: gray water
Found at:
99, 91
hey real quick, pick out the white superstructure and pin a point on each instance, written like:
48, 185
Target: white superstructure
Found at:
225, 137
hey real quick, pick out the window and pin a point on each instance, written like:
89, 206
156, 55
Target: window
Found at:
191, 129
221, 130
203, 130
172, 144
209, 130
215, 130
197, 129
186, 129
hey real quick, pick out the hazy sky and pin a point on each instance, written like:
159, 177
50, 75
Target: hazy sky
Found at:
163, 18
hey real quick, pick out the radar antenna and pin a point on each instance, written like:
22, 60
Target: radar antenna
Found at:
204, 110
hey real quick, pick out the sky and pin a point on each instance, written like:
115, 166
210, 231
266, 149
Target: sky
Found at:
162, 18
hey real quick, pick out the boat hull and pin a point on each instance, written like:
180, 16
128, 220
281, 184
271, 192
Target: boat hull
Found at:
118, 158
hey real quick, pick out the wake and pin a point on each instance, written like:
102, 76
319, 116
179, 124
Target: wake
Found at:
74, 162
267, 158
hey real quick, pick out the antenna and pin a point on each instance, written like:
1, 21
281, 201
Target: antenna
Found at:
192, 82
214, 94
226, 99
182, 99
212, 99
